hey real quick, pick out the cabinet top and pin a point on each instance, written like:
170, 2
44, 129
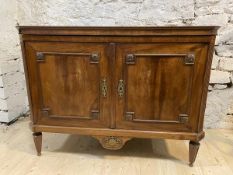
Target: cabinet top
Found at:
119, 31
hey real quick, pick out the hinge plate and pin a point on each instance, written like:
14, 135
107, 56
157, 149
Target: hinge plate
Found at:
39, 56
45, 111
129, 116
130, 59
94, 58
183, 118
94, 114
189, 59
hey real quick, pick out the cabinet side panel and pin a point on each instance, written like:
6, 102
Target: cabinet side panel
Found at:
206, 84
28, 87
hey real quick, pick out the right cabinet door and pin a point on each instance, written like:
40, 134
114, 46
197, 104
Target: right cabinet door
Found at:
159, 86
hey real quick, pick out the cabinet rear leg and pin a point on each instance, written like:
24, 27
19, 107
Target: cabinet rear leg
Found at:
193, 149
37, 136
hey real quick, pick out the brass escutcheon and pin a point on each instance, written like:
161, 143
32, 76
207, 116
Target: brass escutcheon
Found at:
121, 88
104, 87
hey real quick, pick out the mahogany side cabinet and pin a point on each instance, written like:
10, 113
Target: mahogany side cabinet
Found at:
118, 83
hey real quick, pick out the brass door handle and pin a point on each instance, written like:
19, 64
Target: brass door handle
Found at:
121, 88
104, 87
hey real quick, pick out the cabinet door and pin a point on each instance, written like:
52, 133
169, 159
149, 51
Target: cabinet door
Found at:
159, 86
68, 83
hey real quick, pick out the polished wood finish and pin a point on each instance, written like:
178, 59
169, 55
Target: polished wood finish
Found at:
117, 83
164, 94
119, 31
37, 137
193, 149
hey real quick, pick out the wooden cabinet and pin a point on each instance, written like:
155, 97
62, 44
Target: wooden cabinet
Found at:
116, 83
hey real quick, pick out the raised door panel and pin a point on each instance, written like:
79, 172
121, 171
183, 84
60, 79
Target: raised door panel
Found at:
155, 85
69, 83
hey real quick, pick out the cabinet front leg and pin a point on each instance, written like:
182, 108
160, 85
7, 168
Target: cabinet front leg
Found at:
193, 149
37, 136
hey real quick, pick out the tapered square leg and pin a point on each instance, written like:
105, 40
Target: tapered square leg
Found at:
193, 149
37, 136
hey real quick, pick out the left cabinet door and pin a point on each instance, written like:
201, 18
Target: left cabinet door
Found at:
68, 83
